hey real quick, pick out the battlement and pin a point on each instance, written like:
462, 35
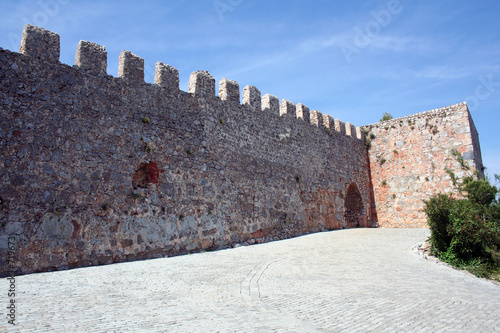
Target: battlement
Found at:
102, 169
40, 44
167, 77
91, 58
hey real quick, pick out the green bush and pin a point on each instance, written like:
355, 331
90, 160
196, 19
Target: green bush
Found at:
438, 210
472, 234
461, 233
480, 191
465, 231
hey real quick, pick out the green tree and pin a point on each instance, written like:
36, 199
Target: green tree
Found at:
386, 116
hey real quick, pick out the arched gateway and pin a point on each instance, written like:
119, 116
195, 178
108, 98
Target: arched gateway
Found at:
354, 211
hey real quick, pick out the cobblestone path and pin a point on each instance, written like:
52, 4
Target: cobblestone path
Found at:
356, 280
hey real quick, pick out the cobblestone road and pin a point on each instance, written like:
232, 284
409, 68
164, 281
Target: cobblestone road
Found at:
358, 280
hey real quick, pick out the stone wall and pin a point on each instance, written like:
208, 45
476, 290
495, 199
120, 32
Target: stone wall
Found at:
98, 169
408, 158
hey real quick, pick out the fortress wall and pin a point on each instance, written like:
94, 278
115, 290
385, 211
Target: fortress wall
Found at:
408, 157
98, 169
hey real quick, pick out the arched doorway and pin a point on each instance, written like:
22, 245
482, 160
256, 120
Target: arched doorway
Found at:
354, 211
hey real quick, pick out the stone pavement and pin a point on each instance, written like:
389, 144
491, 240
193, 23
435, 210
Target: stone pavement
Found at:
356, 280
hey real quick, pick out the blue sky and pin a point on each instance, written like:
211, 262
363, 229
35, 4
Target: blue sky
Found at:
354, 60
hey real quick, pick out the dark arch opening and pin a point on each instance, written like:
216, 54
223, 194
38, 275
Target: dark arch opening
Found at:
354, 211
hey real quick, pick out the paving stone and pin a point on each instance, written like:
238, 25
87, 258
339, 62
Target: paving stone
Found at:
354, 280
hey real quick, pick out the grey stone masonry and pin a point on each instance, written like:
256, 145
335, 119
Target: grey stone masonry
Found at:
91, 57
302, 112
97, 169
270, 104
39, 43
287, 108
328, 121
167, 76
317, 118
131, 67
350, 129
252, 98
340, 126
202, 83
229, 91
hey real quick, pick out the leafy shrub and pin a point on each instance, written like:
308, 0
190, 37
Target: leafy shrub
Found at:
438, 210
480, 191
462, 231
465, 230
471, 233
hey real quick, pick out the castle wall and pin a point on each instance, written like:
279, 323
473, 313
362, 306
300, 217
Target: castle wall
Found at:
98, 169
408, 158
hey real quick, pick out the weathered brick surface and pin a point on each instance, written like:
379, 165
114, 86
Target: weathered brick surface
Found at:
408, 158
97, 169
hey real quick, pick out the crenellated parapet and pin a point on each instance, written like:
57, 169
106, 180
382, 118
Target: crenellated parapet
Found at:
202, 84
360, 134
270, 104
340, 126
302, 112
350, 130
160, 171
328, 121
40, 44
229, 91
131, 67
167, 76
287, 108
316, 118
91, 58
252, 98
